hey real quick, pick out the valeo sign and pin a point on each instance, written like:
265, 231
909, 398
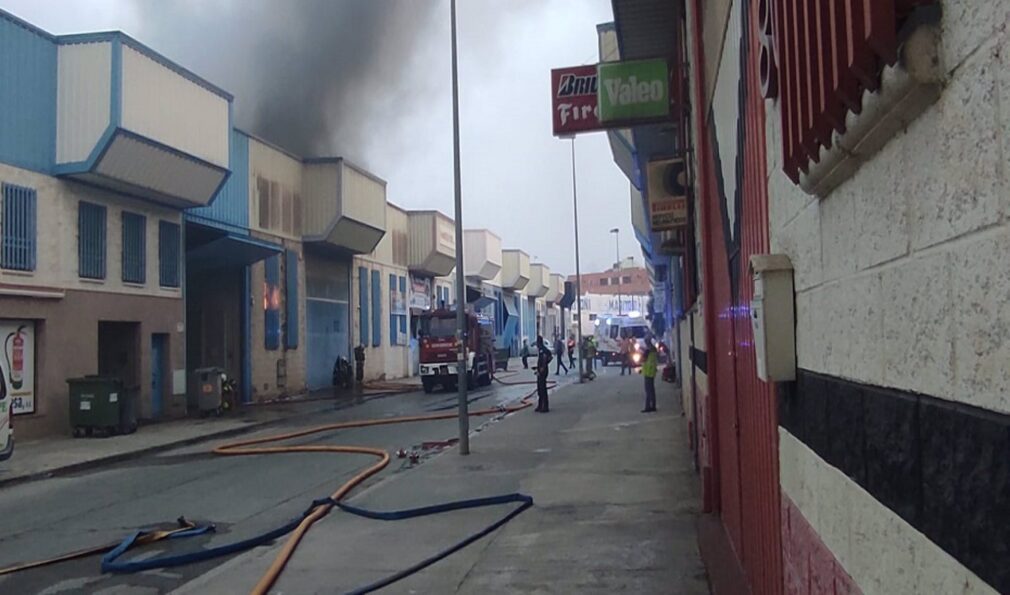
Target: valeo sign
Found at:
633, 90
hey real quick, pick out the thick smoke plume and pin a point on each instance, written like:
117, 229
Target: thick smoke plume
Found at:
317, 77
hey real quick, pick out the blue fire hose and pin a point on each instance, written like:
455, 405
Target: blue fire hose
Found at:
111, 563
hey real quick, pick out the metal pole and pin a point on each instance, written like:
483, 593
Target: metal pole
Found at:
617, 247
578, 270
461, 334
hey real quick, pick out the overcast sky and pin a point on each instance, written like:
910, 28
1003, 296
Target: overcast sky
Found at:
372, 79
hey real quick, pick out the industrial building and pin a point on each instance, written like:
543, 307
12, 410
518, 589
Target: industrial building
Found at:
144, 236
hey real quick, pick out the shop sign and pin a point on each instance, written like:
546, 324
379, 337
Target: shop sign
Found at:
574, 100
633, 91
17, 363
420, 293
667, 181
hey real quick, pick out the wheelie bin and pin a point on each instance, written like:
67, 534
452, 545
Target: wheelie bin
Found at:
99, 404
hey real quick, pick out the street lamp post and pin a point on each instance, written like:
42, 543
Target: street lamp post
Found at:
464, 413
617, 245
578, 270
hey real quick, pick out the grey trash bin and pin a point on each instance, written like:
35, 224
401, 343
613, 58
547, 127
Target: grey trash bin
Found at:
207, 384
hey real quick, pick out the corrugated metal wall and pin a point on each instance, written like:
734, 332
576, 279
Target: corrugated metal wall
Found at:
231, 207
84, 99
27, 96
742, 407
167, 107
362, 198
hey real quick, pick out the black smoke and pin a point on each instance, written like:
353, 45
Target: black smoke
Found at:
317, 77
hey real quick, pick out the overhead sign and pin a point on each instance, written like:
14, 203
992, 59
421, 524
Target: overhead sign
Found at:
633, 91
420, 292
17, 363
574, 97
667, 184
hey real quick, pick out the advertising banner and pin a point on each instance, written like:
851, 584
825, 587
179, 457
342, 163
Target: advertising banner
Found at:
634, 91
667, 183
574, 100
420, 293
17, 363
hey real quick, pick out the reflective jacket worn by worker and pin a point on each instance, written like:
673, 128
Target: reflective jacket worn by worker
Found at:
651, 364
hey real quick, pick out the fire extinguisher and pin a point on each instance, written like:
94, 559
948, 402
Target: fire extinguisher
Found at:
16, 357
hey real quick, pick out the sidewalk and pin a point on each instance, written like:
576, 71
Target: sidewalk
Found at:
60, 455
615, 507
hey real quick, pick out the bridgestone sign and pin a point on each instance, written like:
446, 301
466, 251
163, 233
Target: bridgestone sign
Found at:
633, 91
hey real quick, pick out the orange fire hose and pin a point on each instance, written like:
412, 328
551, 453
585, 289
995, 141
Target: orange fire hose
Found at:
249, 447
253, 447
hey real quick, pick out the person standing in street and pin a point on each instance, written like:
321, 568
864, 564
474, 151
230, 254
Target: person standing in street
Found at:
625, 354
559, 350
571, 351
525, 354
543, 369
649, 367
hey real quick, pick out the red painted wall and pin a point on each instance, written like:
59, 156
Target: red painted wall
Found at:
741, 409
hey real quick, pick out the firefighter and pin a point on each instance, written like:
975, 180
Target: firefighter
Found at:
649, 368
543, 369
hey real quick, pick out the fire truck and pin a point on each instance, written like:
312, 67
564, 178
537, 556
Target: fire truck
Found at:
439, 348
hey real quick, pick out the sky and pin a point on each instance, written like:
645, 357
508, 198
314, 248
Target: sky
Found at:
370, 80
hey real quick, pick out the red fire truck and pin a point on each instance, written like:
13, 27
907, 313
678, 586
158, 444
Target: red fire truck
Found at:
436, 333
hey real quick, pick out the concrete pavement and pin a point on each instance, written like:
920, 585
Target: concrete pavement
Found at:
242, 496
616, 503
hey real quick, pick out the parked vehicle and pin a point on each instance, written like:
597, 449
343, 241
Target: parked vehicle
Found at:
438, 345
6, 420
610, 330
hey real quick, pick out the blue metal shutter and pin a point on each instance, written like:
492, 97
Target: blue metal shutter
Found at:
168, 253
271, 305
291, 297
17, 222
392, 316
376, 309
403, 317
363, 305
134, 248
91, 240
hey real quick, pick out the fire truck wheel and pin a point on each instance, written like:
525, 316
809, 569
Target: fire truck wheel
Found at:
428, 385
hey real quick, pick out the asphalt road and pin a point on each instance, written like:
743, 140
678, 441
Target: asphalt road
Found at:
242, 496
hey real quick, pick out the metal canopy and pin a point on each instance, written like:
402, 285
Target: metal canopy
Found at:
230, 250
645, 28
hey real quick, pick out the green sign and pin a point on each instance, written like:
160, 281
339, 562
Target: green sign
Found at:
634, 90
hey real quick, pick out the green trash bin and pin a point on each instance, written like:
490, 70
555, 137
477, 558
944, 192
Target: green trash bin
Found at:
96, 405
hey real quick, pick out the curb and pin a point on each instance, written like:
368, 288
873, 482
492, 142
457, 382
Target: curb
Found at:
134, 454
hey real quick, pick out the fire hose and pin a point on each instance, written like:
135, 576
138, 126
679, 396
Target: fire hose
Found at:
298, 527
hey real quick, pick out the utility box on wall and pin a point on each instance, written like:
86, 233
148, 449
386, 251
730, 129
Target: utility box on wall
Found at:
772, 317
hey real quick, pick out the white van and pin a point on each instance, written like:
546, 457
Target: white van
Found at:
6, 419
610, 329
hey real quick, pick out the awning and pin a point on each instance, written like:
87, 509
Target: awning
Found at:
510, 307
478, 299
230, 250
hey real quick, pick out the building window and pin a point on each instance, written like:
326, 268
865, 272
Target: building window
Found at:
604, 282
134, 248
376, 309
363, 305
91, 240
626, 280
168, 253
17, 224
615, 280
397, 310
279, 208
